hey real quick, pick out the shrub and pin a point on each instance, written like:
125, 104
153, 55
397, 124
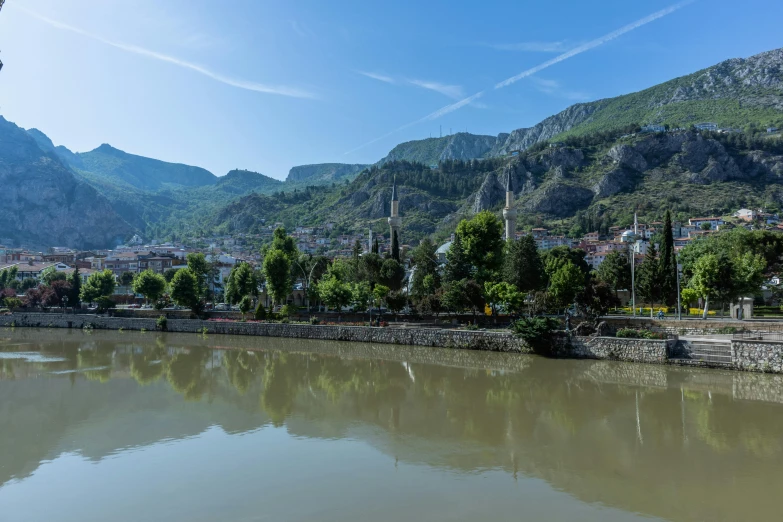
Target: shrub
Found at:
104, 303
631, 333
13, 303
728, 330
260, 313
162, 323
471, 326
315, 320
287, 311
285, 320
538, 333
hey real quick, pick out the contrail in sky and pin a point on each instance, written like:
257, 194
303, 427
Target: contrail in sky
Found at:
524, 74
233, 82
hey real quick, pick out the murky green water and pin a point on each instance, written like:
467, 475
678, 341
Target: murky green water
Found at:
145, 427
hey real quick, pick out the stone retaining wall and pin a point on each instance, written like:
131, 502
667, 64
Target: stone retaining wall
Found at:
757, 356
652, 351
471, 340
749, 355
693, 326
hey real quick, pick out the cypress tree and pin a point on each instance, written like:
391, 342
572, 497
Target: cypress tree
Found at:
668, 263
375, 246
76, 287
395, 247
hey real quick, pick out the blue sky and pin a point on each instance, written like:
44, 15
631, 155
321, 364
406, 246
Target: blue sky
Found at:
266, 85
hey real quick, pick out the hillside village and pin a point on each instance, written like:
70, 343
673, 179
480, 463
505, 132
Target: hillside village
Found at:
225, 252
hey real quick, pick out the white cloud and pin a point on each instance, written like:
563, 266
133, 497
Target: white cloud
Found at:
553, 88
377, 76
529, 72
281, 90
452, 91
531, 47
592, 44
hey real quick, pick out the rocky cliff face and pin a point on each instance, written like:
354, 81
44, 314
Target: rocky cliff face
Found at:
559, 181
323, 172
44, 204
547, 129
430, 151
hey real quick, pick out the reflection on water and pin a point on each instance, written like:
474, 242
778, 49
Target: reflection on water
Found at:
181, 427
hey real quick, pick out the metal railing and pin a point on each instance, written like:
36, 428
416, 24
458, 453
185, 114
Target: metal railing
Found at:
758, 336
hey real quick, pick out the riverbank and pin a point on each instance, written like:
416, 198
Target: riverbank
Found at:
740, 354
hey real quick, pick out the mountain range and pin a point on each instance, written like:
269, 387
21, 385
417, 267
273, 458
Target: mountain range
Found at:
597, 165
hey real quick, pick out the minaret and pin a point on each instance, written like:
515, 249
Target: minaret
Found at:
509, 214
394, 219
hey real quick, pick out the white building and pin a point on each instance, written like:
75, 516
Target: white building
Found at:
714, 222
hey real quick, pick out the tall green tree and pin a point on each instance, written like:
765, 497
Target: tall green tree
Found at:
523, 267
560, 255
8, 277
150, 285
565, 283
283, 242
615, 271
361, 296
241, 282
425, 264
395, 247
648, 278
50, 275
458, 266
668, 263
185, 289
334, 292
705, 281
201, 269
99, 284
76, 287
392, 274
126, 278
482, 241
277, 271
370, 268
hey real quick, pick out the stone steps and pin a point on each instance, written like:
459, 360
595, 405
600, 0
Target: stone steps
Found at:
715, 352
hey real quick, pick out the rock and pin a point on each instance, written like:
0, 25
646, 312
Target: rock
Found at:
614, 181
522, 139
559, 199
44, 204
323, 171
627, 156
490, 194
584, 329
603, 330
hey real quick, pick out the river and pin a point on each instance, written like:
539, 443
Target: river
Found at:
132, 426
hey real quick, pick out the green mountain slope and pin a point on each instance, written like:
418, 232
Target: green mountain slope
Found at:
593, 182
44, 204
323, 173
734, 93
430, 151
140, 172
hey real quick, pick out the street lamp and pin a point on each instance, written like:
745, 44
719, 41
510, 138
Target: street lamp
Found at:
307, 280
679, 269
